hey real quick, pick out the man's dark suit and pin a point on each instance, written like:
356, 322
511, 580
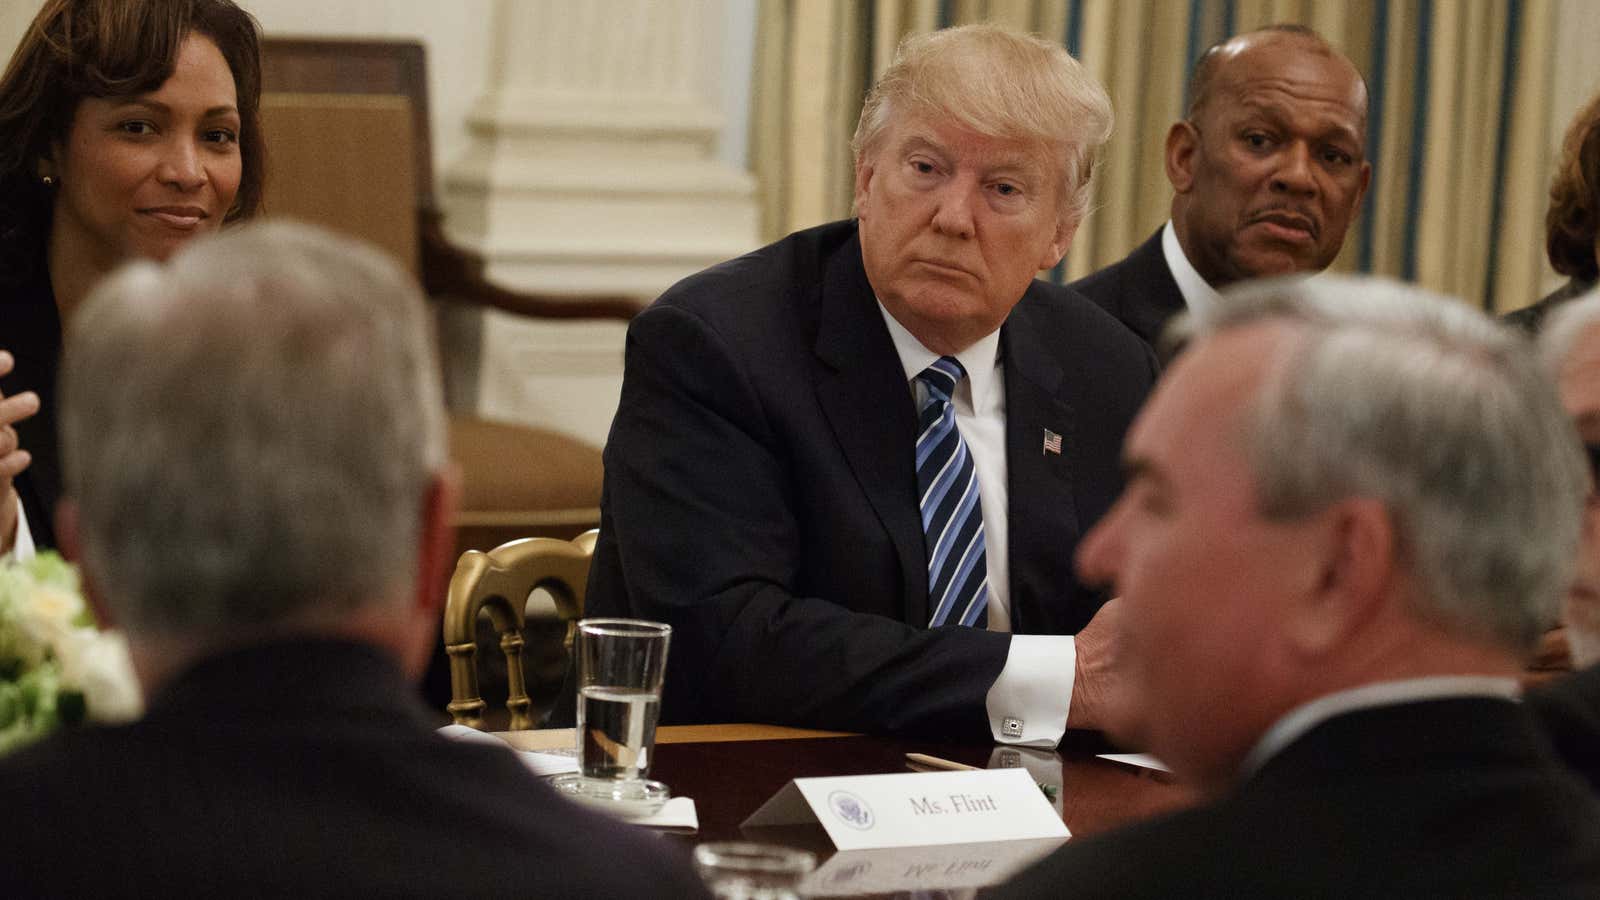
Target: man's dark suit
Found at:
1569, 710
304, 770
760, 492
1443, 798
1139, 290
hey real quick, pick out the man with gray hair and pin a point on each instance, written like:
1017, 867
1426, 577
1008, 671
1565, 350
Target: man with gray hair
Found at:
1350, 514
849, 467
259, 494
1570, 706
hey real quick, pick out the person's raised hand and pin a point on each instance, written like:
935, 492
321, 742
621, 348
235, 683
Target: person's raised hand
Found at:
13, 458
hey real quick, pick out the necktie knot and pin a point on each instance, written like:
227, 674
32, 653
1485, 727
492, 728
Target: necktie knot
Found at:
942, 377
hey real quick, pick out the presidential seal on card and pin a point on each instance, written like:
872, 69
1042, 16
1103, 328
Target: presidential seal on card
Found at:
851, 810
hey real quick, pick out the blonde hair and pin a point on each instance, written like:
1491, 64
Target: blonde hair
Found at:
1001, 84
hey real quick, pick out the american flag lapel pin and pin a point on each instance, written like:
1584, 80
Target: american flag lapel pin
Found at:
1052, 442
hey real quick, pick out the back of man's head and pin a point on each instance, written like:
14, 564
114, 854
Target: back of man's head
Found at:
249, 434
1441, 414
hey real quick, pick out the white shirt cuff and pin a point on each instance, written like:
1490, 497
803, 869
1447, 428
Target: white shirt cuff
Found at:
22, 548
1028, 703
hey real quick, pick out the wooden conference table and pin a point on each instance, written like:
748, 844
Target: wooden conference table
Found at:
730, 770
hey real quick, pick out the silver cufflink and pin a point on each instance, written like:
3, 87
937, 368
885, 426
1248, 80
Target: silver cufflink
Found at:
1011, 726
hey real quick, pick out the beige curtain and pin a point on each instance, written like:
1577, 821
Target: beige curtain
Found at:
1460, 125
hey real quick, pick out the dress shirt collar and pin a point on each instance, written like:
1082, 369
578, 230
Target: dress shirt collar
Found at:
1302, 719
979, 359
1198, 295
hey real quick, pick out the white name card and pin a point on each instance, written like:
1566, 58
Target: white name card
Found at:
916, 809
899, 870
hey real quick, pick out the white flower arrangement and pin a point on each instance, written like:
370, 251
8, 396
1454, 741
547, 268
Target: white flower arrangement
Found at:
56, 667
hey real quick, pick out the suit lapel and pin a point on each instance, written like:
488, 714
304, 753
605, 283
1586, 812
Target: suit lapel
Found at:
862, 390
1154, 297
1039, 403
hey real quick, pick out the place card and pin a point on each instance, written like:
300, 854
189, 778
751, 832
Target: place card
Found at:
916, 809
900, 870
1140, 760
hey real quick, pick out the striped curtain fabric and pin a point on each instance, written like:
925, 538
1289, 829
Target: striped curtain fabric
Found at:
1462, 130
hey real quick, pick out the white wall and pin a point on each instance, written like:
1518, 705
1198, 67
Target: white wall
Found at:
14, 18
455, 33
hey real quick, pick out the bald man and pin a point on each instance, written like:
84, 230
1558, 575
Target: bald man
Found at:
1267, 168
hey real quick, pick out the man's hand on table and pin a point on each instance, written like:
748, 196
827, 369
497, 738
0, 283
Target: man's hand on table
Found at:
1097, 684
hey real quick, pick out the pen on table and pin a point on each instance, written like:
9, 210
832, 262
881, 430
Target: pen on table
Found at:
934, 762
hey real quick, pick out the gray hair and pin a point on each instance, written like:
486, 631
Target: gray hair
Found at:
1002, 84
1443, 415
1563, 327
249, 431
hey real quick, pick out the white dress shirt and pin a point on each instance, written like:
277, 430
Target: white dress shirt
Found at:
1198, 295
22, 548
1028, 703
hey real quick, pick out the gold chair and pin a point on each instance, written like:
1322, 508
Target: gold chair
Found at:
499, 582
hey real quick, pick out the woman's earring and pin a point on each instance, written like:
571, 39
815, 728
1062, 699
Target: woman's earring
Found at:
47, 180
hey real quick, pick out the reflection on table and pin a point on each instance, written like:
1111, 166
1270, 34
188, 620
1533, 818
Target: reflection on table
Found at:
730, 770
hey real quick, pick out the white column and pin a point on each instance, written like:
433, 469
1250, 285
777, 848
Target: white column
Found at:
593, 167
593, 163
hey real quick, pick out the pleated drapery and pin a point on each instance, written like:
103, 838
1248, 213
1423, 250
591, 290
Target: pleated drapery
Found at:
1460, 131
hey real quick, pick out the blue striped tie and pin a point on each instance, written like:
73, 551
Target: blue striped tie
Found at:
952, 516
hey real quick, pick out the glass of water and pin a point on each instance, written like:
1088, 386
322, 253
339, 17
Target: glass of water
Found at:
737, 870
621, 665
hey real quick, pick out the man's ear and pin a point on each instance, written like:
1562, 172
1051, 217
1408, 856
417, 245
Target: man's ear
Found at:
1183, 139
1058, 245
1366, 181
865, 169
1355, 573
69, 540
436, 539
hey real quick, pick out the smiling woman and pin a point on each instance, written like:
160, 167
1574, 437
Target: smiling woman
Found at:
127, 127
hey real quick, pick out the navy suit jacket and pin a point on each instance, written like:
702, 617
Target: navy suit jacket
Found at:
305, 769
1139, 290
1443, 798
760, 492
1569, 710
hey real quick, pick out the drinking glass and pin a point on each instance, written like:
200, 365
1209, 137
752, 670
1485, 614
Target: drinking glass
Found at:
735, 870
621, 665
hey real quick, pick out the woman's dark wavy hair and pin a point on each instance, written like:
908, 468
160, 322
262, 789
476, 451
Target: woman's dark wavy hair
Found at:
108, 48
1573, 220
